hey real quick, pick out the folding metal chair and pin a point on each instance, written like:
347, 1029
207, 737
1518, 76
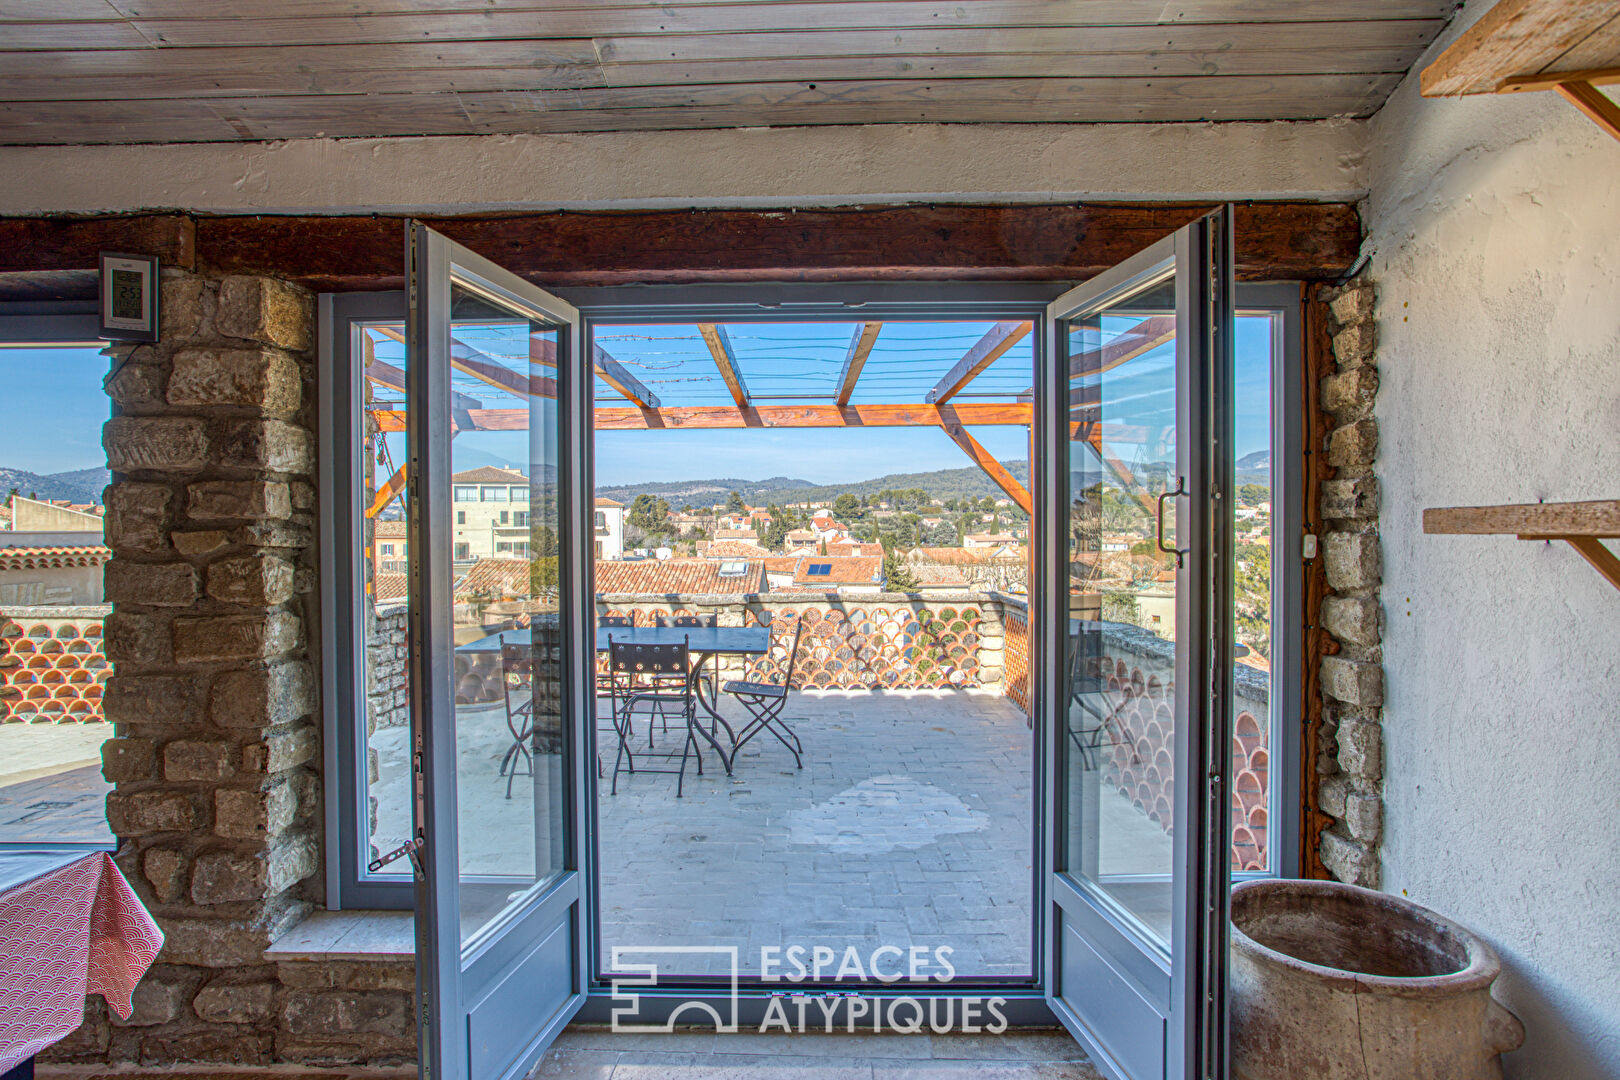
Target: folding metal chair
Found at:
1088, 693
658, 676
765, 702
697, 621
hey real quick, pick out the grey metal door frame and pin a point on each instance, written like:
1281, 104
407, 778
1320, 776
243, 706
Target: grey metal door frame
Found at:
1188, 987
455, 981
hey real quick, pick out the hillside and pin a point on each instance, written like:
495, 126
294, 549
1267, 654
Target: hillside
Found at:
940, 483
80, 485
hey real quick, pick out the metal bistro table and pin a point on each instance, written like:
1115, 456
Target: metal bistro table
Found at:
706, 642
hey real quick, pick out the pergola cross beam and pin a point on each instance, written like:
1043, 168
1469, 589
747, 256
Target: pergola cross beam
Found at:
985, 460
860, 347
714, 335
988, 349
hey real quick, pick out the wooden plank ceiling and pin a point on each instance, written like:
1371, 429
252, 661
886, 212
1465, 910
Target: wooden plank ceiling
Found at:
108, 71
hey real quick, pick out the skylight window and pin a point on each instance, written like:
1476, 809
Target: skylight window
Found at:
733, 568
820, 569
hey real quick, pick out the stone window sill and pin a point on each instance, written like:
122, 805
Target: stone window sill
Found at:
348, 935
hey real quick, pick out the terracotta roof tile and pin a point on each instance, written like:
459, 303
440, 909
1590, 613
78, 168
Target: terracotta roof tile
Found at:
734, 549
695, 576
858, 570
954, 556
46, 558
501, 578
388, 586
488, 474
391, 530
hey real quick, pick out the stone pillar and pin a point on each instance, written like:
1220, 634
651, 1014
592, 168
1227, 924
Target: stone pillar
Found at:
1352, 680
211, 519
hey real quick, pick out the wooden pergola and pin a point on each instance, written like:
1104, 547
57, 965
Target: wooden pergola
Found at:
646, 412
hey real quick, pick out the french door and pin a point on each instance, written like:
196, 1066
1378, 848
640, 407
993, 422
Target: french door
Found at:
1138, 596
496, 501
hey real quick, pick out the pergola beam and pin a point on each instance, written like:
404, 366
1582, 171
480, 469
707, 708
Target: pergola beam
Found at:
615, 375
860, 347
1144, 337
714, 335
756, 416
486, 369
985, 460
1000, 338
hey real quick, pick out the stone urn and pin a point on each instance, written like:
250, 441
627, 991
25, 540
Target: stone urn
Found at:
1336, 982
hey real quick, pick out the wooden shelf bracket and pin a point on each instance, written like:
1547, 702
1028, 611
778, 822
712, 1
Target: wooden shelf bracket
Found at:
1582, 525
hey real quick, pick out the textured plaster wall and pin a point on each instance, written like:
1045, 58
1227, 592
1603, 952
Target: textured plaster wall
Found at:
1495, 228
738, 168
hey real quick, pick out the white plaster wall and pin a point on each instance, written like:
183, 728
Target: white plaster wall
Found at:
1495, 229
737, 168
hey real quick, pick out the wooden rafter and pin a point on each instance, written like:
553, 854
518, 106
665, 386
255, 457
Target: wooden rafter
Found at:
756, 416
994, 469
999, 338
392, 489
615, 375
714, 335
860, 347
486, 369
1144, 337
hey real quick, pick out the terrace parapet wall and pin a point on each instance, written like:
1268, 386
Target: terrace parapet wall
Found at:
216, 806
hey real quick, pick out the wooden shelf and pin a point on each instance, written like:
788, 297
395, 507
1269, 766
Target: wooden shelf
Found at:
1571, 46
1582, 525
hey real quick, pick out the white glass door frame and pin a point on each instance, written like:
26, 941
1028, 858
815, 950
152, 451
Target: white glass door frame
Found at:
1186, 986
476, 1020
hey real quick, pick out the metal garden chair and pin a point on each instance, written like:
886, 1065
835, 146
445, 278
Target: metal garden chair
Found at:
658, 677
765, 702
517, 676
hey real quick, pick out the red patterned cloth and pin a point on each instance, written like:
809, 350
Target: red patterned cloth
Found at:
70, 932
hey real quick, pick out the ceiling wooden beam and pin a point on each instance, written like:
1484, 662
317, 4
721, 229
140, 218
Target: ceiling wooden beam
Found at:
1597, 105
1523, 37
714, 335
986, 351
860, 347
994, 469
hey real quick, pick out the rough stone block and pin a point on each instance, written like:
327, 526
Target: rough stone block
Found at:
137, 639
138, 517
1364, 817
236, 637
348, 975
1349, 861
165, 868
137, 384
1353, 305
1361, 748
88, 1042
259, 699
1354, 682
153, 585
283, 750
271, 445
213, 943
291, 860
330, 1012
150, 699
153, 811
159, 998
1351, 391
1353, 560
218, 1045
155, 442
190, 759
251, 499
1352, 498
255, 580
303, 495
274, 534
1356, 344
261, 379
254, 814
1331, 796
235, 1003
224, 877
128, 759
195, 544
1354, 444
184, 301
266, 310
1352, 619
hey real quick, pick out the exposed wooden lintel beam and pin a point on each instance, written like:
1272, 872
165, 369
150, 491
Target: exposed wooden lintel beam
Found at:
860, 347
986, 351
725, 361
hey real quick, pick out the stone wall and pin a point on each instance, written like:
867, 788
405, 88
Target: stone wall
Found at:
217, 804
1350, 762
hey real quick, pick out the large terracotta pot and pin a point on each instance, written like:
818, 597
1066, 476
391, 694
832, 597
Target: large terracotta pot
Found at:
1336, 982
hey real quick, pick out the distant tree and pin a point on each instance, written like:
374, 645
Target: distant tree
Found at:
11, 497
543, 578
644, 514
987, 504
1121, 607
545, 542
1254, 494
846, 505
735, 504
897, 576
941, 534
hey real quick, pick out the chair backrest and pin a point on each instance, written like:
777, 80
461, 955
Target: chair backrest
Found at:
692, 620
614, 618
793, 651
640, 658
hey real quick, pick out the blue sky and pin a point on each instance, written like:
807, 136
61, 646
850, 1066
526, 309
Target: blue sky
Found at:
53, 408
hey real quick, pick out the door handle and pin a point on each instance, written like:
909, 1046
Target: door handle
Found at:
1163, 495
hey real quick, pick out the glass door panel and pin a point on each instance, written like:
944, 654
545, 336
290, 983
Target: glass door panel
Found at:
1141, 360
496, 709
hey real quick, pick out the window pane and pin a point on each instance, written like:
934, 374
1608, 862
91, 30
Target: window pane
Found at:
52, 611
494, 494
